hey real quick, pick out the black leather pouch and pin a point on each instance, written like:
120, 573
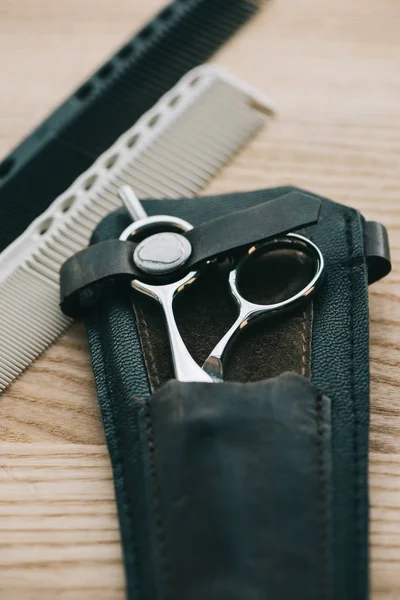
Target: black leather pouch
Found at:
257, 487
237, 482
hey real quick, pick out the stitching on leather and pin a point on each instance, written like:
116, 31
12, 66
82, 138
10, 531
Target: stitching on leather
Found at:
355, 261
304, 345
152, 370
351, 264
323, 498
304, 330
118, 456
162, 539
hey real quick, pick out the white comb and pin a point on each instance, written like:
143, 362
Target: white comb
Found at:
174, 150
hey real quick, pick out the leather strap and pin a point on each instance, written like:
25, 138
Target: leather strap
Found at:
113, 258
377, 251
242, 228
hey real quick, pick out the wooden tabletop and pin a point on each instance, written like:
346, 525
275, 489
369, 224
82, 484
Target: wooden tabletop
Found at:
333, 70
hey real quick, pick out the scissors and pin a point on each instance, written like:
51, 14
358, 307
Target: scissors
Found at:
167, 250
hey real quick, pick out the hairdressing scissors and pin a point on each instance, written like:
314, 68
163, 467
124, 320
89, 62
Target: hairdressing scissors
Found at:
166, 251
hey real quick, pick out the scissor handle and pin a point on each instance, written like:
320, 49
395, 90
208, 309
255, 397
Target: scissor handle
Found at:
291, 241
185, 367
249, 311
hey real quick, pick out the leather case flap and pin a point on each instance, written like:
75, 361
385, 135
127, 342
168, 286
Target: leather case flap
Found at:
238, 478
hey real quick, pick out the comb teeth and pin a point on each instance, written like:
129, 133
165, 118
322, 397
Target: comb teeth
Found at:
183, 35
173, 151
31, 320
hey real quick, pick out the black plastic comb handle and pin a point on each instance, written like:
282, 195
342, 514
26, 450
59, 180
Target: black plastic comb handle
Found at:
182, 36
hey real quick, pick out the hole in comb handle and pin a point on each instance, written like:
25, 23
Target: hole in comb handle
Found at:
68, 203
89, 183
195, 81
166, 14
174, 101
84, 91
105, 70
45, 226
111, 161
146, 32
6, 166
133, 140
125, 51
154, 120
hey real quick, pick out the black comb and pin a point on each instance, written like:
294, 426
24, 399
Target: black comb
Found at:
182, 36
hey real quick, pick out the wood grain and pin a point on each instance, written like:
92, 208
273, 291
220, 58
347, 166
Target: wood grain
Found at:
59, 532
333, 71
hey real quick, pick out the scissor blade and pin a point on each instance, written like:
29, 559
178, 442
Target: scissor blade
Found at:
213, 367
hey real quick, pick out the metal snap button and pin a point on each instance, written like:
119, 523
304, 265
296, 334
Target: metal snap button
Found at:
162, 253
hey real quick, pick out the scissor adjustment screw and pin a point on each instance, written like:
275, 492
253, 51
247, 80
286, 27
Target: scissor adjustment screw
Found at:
162, 253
